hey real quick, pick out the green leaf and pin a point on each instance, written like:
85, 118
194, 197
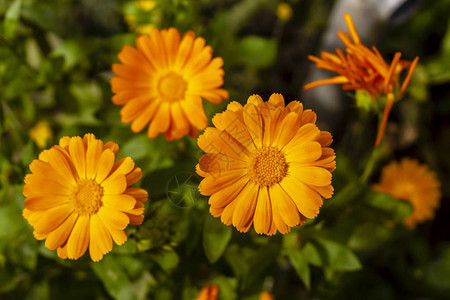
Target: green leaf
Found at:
437, 273
339, 257
11, 221
137, 147
167, 259
300, 264
237, 258
12, 18
398, 209
369, 236
314, 254
227, 287
124, 277
256, 51
216, 237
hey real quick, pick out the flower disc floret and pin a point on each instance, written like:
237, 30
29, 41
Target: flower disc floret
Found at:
267, 166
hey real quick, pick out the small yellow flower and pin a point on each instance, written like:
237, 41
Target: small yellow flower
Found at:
284, 11
144, 29
131, 21
210, 292
146, 5
162, 83
266, 165
411, 181
78, 197
41, 133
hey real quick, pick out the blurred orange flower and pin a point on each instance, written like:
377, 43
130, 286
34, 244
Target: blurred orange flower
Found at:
210, 292
78, 197
411, 181
365, 69
266, 164
266, 296
163, 81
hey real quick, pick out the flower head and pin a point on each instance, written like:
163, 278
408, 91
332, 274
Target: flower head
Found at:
284, 11
362, 68
266, 164
410, 181
78, 197
41, 133
210, 292
266, 296
163, 81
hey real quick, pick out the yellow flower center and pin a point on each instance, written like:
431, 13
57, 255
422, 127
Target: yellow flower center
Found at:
86, 197
172, 87
267, 166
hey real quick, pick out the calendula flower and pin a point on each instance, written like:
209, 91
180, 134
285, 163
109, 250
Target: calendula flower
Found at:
146, 5
284, 11
411, 181
266, 164
41, 133
163, 81
78, 197
210, 292
266, 296
365, 69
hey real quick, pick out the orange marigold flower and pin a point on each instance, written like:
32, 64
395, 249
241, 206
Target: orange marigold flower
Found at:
365, 69
78, 197
266, 164
210, 292
163, 81
408, 180
266, 296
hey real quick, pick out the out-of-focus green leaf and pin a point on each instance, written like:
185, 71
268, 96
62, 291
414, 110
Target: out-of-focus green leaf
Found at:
437, 273
238, 259
11, 221
346, 195
398, 209
168, 259
12, 17
27, 153
315, 255
227, 287
300, 264
369, 236
216, 236
256, 51
123, 277
339, 257
328, 253
250, 264
137, 147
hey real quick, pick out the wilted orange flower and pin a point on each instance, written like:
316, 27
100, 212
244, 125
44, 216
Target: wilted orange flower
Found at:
265, 165
210, 292
78, 197
163, 81
408, 180
266, 296
365, 69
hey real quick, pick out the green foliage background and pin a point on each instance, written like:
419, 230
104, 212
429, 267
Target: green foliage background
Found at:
55, 60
